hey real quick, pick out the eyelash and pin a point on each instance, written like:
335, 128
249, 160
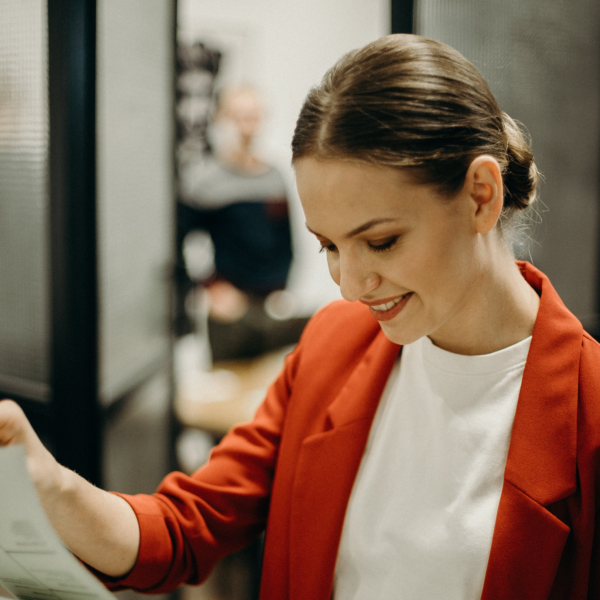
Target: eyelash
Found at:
380, 248
327, 248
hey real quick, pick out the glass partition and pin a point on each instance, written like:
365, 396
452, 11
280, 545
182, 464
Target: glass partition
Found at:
24, 302
135, 128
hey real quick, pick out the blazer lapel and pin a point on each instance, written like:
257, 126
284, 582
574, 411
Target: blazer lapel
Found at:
541, 466
325, 474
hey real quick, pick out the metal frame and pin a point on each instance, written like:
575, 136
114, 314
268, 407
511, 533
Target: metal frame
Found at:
76, 419
402, 16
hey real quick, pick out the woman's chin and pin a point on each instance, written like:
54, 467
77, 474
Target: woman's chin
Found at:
400, 336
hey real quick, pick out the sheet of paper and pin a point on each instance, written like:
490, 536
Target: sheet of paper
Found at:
34, 564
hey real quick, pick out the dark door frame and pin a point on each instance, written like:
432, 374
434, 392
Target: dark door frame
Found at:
402, 16
76, 419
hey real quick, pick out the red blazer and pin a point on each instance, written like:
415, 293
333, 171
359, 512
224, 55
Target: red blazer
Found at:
292, 468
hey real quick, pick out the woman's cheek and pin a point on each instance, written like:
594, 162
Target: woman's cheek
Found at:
334, 266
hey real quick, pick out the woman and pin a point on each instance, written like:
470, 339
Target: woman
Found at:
437, 438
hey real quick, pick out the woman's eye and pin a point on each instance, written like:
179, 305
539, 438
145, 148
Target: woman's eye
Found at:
328, 248
383, 246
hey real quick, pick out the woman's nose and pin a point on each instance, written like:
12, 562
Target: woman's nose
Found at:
356, 280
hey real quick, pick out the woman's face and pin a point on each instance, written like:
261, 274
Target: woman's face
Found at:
394, 245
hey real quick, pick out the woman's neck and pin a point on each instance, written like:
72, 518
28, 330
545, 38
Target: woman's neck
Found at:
500, 312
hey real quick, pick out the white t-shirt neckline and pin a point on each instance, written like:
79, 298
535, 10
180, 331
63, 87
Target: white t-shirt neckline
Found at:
478, 364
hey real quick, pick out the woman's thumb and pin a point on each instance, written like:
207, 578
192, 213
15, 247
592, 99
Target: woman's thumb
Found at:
14, 425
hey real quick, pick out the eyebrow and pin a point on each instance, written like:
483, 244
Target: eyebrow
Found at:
360, 229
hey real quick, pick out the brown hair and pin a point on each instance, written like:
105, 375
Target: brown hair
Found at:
410, 102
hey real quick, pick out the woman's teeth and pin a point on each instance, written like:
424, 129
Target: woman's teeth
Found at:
389, 304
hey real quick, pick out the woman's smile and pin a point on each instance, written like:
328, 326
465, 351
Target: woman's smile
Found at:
385, 310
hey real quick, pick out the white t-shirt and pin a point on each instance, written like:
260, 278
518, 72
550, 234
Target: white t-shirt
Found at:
421, 514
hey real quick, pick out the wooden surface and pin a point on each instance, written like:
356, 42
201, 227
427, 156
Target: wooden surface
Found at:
229, 394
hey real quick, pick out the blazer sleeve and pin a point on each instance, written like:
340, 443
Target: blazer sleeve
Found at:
191, 522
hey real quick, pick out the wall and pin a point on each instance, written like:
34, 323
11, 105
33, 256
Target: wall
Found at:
542, 61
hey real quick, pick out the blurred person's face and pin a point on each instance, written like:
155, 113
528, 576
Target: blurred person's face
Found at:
393, 244
243, 110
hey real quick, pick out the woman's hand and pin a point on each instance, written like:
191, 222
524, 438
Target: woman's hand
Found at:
44, 470
98, 527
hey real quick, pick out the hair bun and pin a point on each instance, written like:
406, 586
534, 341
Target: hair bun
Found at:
521, 175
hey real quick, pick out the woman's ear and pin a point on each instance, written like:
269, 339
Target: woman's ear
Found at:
485, 191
